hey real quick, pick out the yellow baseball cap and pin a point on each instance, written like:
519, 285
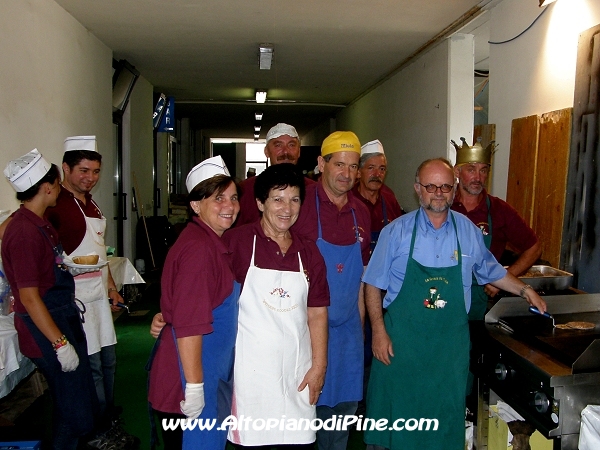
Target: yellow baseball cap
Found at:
340, 141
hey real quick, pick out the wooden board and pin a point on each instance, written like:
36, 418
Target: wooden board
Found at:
522, 166
551, 181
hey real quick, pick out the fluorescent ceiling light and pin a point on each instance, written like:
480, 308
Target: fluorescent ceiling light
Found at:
258, 115
261, 96
256, 135
546, 2
256, 127
265, 56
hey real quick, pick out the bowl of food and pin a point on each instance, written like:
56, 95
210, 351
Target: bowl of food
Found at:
88, 260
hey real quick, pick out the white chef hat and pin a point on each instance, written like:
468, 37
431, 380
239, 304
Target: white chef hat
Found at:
81, 143
27, 170
281, 129
205, 170
371, 147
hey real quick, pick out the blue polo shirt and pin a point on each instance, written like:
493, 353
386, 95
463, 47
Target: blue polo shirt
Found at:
433, 248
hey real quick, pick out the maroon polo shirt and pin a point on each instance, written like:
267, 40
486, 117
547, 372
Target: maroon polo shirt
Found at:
507, 226
337, 225
249, 212
28, 261
66, 217
196, 279
268, 256
392, 207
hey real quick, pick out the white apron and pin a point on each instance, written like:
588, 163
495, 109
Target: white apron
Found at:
272, 354
91, 288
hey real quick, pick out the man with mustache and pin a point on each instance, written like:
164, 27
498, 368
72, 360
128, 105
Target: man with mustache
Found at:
499, 223
283, 146
378, 198
423, 266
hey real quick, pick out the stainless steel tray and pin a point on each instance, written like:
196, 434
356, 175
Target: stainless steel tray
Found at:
547, 278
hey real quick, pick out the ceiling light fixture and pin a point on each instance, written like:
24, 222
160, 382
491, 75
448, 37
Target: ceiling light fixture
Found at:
258, 115
261, 96
256, 135
546, 2
265, 56
256, 127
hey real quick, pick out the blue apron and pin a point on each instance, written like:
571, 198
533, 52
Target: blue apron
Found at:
343, 380
375, 234
218, 351
73, 393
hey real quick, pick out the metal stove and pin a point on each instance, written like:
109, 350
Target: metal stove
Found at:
547, 375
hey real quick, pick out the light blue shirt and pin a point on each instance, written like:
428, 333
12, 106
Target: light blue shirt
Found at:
433, 248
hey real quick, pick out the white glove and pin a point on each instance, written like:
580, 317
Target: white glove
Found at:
193, 404
67, 357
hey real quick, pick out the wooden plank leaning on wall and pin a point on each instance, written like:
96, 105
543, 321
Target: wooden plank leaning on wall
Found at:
537, 175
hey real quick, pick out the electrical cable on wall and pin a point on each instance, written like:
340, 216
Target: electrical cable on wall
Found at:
522, 32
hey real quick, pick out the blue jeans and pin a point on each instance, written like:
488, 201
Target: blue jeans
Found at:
334, 439
103, 364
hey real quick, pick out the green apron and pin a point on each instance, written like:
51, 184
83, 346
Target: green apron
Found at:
479, 298
427, 376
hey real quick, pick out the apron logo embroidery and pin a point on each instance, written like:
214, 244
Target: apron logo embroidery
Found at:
272, 308
482, 227
434, 301
280, 293
340, 267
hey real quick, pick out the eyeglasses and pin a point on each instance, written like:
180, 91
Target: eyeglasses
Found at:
431, 188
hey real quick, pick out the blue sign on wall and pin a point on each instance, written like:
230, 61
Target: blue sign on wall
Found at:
167, 122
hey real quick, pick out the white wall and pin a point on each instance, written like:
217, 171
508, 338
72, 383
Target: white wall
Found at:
55, 81
410, 114
535, 73
141, 160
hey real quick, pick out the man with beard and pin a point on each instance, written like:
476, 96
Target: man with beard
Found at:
378, 198
283, 146
424, 262
499, 223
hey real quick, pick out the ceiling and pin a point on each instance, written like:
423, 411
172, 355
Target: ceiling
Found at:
327, 52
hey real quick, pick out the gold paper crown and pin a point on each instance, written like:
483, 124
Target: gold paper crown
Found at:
474, 154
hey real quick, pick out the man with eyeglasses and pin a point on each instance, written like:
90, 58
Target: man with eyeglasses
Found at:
423, 262
499, 223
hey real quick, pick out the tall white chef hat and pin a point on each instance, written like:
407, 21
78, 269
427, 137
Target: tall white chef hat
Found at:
81, 143
205, 170
24, 172
371, 147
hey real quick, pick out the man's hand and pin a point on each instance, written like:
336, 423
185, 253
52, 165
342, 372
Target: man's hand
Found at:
115, 299
157, 325
314, 379
382, 347
490, 290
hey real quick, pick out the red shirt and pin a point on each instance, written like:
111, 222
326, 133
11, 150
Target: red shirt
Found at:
337, 225
392, 207
268, 256
249, 212
28, 261
66, 217
196, 279
507, 226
